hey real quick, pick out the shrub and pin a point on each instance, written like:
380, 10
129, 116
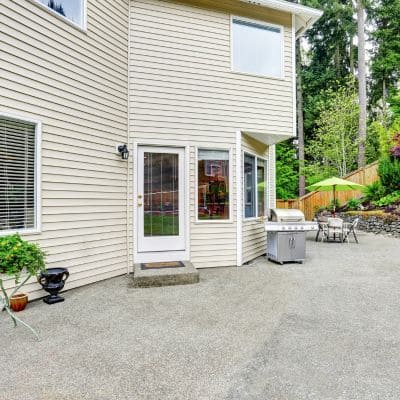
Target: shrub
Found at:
353, 204
389, 172
392, 198
373, 192
17, 255
334, 203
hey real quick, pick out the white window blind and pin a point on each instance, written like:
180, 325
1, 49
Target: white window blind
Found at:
17, 175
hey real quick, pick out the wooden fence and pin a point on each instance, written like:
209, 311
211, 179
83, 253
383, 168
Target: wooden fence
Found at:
311, 202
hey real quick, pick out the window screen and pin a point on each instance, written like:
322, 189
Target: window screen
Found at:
17, 175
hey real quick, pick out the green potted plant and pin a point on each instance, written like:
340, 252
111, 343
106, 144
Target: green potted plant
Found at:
18, 257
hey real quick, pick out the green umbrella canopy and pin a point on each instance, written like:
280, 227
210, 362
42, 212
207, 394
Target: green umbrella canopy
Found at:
334, 184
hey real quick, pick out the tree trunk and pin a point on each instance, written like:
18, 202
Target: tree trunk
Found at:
362, 83
300, 121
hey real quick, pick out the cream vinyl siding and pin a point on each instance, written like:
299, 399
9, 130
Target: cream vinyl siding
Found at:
182, 91
76, 84
254, 238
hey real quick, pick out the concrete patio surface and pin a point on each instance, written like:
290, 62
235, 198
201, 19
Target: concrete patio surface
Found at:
327, 329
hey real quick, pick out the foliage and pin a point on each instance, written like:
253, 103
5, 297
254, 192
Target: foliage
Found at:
389, 173
334, 204
394, 102
373, 192
392, 198
17, 255
353, 204
335, 142
395, 146
330, 56
56, 7
372, 149
316, 172
384, 16
287, 175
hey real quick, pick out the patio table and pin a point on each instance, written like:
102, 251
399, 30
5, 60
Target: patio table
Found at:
323, 230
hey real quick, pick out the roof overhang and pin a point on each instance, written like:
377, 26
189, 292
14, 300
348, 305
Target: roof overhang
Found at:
268, 138
305, 17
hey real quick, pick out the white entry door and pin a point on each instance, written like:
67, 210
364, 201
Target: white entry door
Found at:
161, 199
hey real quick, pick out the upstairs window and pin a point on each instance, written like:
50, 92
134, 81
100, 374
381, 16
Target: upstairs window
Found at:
17, 175
73, 10
257, 48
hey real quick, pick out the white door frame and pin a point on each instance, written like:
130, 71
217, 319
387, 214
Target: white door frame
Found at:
159, 243
163, 255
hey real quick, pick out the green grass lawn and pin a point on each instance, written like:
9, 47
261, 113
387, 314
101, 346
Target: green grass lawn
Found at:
161, 225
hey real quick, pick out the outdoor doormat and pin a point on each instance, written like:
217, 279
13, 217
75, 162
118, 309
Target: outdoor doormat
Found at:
162, 265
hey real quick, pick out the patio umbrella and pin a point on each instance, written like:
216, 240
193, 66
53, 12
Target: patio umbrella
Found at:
334, 184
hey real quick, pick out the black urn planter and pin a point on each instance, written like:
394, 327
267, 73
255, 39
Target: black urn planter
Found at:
53, 281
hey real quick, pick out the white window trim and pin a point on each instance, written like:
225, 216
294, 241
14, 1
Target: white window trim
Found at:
266, 200
196, 201
82, 27
267, 24
38, 175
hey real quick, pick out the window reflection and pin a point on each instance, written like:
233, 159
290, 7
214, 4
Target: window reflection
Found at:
161, 194
213, 184
70, 9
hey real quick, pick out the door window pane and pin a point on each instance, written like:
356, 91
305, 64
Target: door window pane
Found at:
213, 184
257, 48
161, 194
261, 186
249, 186
70, 9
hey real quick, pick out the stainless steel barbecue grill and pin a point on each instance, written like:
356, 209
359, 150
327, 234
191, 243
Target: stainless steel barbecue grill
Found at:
286, 235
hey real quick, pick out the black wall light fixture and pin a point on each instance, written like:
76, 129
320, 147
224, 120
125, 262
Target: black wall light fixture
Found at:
123, 150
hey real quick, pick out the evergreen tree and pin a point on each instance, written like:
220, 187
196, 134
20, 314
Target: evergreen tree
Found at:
384, 16
56, 7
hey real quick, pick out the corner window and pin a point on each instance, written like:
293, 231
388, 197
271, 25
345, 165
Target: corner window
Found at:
261, 187
17, 175
213, 184
257, 48
249, 186
255, 186
72, 10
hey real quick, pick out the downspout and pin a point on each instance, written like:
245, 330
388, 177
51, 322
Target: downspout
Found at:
128, 216
239, 197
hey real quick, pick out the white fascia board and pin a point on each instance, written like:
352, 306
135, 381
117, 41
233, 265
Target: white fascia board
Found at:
306, 16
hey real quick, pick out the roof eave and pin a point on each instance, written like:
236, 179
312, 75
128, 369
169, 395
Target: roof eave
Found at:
305, 16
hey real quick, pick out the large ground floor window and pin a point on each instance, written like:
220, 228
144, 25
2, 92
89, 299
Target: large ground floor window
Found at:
213, 184
17, 175
254, 186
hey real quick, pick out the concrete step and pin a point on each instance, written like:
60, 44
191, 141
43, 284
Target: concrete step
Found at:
145, 278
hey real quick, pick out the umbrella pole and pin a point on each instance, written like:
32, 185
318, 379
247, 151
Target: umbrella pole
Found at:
334, 201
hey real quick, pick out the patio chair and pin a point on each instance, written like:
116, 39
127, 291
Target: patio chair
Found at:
335, 229
322, 230
351, 229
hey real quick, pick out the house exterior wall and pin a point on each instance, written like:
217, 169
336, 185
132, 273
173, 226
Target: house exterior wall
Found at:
75, 82
144, 71
182, 91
